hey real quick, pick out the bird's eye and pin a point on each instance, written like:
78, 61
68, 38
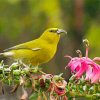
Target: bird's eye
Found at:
53, 31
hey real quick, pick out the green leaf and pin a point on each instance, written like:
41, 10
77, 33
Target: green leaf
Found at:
34, 96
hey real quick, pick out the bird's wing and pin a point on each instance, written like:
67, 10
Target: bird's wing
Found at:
22, 47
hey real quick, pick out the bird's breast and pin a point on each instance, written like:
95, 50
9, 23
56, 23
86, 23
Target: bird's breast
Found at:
37, 57
43, 56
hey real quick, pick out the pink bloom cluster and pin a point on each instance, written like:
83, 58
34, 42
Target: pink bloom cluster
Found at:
81, 65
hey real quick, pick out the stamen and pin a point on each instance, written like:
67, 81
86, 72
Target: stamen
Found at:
79, 53
86, 42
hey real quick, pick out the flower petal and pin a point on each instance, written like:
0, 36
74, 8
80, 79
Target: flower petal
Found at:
88, 72
82, 70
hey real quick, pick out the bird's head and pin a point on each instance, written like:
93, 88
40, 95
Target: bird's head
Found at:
52, 35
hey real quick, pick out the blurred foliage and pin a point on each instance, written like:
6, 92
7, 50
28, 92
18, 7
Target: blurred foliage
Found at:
94, 39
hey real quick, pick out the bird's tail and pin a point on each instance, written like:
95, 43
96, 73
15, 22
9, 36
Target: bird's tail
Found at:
6, 54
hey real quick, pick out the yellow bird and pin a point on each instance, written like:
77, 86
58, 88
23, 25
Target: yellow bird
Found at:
37, 51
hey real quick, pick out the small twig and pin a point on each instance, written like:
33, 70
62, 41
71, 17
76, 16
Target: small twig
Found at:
44, 96
24, 95
42, 72
14, 88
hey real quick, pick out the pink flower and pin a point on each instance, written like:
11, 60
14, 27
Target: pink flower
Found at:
81, 65
59, 87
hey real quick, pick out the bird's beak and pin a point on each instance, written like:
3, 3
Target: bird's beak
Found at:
59, 31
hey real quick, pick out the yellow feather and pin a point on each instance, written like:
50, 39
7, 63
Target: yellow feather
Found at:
38, 51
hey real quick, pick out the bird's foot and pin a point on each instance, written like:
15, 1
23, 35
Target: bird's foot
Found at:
22, 64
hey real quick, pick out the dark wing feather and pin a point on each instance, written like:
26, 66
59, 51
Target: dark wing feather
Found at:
16, 47
22, 47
